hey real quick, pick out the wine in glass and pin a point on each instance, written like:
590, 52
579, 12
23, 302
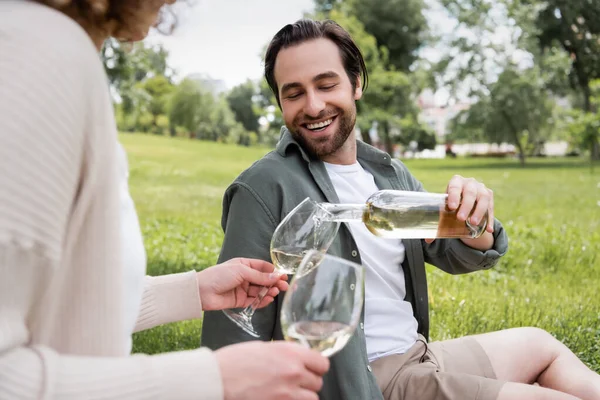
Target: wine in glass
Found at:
323, 305
303, 229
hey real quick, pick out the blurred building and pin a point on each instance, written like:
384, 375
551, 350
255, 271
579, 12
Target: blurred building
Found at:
438, 117
215, 86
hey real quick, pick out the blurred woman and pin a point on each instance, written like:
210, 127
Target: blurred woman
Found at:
72, 264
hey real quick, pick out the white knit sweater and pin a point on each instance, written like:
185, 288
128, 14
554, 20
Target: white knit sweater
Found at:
61, 287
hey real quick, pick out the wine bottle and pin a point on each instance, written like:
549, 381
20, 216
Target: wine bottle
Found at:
396, 214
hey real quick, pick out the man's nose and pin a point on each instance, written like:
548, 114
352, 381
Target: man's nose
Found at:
314, 105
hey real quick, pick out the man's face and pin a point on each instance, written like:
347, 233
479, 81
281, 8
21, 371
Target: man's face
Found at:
316, 95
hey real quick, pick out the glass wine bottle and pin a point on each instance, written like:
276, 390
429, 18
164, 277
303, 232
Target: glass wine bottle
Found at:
397, 214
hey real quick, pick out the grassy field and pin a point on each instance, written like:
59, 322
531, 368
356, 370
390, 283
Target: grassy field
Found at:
551, 209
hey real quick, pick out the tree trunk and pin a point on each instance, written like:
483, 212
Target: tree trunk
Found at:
587, 106
389, 146
513, 129
595, 150
587, 97
521, 154
365, 136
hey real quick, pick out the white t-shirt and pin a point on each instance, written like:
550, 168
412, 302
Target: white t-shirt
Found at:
390, 326
134, 253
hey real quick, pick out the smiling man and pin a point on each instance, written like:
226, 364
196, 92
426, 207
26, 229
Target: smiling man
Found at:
317, 74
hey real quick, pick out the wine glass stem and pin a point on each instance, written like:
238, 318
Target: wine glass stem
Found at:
249, 311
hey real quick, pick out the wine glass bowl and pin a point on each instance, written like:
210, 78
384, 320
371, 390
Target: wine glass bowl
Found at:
304, 228
322, 307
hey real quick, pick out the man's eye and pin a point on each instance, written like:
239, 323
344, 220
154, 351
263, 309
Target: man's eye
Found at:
328, 87
293, 96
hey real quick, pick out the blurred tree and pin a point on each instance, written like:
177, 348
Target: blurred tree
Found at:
325, 6
159, 90
127, 64
412, 130
398, 25
224, 127
540, 31
583, 127
573, 25
386, 101
140, 79
190, 108
205, 117
241, 101
517, 110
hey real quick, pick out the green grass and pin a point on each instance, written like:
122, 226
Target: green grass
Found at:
551, 209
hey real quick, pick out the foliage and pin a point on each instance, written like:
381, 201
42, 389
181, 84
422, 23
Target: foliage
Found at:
241, 101
413, 131
517, 110
190, 106
574, 26
584, 127
398, 25
560, 38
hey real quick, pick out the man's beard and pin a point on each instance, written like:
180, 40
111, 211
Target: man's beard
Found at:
319, 148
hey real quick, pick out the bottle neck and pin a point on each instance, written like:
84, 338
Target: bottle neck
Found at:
344, 212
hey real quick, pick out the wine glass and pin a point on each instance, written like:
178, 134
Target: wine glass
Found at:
304, 228
323, 305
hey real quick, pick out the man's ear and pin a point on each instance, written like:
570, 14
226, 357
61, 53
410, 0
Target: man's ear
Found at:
358, 91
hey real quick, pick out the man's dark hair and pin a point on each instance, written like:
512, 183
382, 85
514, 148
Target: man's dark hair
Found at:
306, 29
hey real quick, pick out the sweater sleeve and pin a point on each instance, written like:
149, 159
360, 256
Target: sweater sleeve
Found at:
29, 371
50, 78
169, 298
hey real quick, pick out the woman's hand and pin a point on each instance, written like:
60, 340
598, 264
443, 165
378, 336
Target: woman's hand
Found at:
237, 282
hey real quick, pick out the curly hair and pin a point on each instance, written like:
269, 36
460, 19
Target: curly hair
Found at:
121, 19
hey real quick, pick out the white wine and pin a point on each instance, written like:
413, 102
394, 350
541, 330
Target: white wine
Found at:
327, 337
424, 222
395, 214
286, 262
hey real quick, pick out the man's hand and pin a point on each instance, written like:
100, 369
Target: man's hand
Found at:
472, 196
271, 371
237, 282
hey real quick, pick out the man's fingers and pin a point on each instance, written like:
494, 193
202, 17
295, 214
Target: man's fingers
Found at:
454, 190
481, 208
490, 225
469, 196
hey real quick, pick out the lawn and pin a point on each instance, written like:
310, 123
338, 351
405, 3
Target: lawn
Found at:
551, 209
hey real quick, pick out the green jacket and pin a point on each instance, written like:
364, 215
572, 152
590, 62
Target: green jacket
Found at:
263, 194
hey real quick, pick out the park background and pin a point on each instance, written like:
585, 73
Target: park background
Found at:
506, 91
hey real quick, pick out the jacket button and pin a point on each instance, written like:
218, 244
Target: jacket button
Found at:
354, 253
362, 326
369, 368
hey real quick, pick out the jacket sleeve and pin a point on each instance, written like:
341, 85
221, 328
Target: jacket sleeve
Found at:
248, 225
452, 255
455, 257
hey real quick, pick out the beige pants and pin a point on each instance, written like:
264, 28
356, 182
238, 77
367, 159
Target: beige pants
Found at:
456, 370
